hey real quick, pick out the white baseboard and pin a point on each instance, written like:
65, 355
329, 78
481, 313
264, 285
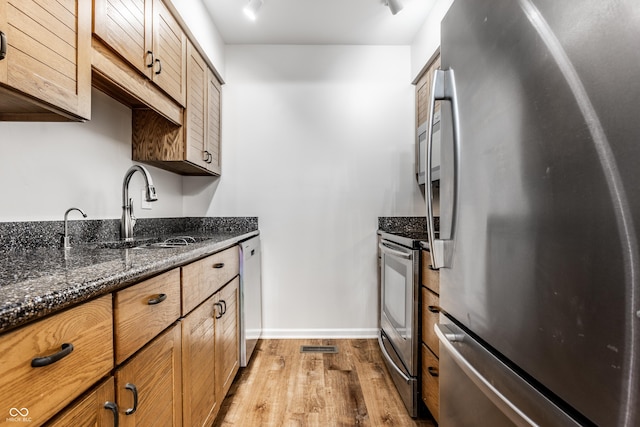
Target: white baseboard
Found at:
319, 333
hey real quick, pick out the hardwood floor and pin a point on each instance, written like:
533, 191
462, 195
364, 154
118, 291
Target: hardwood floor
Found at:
283, 387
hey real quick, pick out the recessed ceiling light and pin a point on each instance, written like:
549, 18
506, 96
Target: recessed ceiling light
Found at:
395, 6
252, 8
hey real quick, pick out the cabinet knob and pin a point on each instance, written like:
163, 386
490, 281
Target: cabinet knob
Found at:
134, 390
3, 45
39, 362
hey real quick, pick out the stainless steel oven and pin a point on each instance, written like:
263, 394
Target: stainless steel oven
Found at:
399, 293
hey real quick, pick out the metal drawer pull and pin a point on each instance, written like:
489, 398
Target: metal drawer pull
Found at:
218, 315
159, 70
434, 308
39, 362
150, 64
218, 265
134, 390
157, 300
3, 45
224, 310
434, 372
113, 408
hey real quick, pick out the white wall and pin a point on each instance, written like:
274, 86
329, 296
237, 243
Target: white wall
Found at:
46, 168
427, 39
318, 142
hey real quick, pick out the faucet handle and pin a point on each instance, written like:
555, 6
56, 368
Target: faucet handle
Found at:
131, 215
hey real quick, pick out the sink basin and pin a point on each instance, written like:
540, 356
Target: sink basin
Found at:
150, 243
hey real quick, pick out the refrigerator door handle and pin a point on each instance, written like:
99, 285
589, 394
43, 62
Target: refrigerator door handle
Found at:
446, 337
443, 89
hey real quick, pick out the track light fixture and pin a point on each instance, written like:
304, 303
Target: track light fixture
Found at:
252, 8
394, 5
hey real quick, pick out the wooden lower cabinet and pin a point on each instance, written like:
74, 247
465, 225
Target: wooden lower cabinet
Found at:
47, 364
96, 409
430, 313
200, 400
149, 385
210, 354
227, 337
431, 382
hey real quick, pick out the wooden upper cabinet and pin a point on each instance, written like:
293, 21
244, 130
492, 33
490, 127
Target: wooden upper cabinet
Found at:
194, 148
145, 34
169, 53
125, 25
202, 131
46, 71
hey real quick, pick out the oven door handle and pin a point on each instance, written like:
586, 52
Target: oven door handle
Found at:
388, 249
387, 356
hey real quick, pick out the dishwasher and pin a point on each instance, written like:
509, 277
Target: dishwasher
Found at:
250, 297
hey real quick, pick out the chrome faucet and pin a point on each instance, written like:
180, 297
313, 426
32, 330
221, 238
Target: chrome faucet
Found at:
128, 220
65, 237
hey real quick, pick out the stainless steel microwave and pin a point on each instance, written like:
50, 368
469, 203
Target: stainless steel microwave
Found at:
422, 144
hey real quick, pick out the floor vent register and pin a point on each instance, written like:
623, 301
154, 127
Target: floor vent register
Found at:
318, 349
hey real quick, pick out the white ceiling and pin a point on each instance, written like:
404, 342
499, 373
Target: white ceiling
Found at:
350, 22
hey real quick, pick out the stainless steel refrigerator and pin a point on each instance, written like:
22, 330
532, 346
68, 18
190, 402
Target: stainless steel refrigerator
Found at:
539, 210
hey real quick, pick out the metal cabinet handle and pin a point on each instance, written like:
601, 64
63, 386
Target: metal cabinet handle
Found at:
3, 45
210, 158
224, 310
433, 371
219, 313
113, 408
159, 70
433, 308
150, 63
157, 300
134, 390
218, 265
443, 89
39, 362
206, 156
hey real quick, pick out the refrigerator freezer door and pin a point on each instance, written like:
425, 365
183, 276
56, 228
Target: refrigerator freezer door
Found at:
478, 389
545, 265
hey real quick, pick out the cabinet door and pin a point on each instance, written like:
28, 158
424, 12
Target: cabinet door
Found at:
196, 111
227, 336
48, 56
153, 376
213, 123
125, 26
96, 409
200, 402
170, 52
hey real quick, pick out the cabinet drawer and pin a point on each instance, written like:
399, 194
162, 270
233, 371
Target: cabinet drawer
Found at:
430, 316
431, 382
43, 391
430, 278
144, 310
202, 278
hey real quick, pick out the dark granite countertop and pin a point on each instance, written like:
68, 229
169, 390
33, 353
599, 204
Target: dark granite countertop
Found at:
39, 281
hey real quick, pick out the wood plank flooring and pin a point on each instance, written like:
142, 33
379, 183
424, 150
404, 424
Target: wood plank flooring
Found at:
283, 387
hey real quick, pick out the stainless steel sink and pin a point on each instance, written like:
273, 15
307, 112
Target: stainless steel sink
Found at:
150, 243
